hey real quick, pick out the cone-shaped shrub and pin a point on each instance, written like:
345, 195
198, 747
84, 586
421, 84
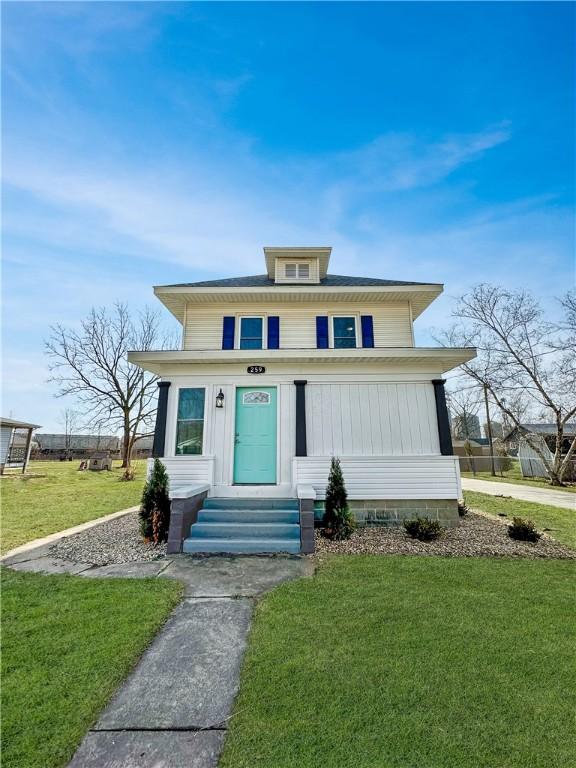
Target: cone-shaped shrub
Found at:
338, 521
155, 505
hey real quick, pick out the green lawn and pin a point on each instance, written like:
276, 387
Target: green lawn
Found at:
408, 662
56, 496
558, 523
67, 644
514, 475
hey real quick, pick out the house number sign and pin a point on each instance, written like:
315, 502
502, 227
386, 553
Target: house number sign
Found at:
256, 369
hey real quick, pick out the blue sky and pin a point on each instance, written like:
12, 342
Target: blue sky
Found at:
149, 143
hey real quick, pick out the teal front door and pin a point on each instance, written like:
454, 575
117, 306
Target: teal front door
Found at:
255, 438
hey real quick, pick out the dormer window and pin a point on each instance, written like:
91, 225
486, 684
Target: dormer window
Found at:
300, 271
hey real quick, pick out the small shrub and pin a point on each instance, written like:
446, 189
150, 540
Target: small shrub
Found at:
338, 521
423, 529
463, 510
523, 530
155, 505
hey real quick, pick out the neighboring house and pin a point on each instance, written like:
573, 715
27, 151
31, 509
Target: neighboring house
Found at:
281, 371
15, 443
547, 431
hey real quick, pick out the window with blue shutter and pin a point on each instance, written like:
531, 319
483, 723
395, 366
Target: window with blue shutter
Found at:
273, 332
367, 325
322, 332
228, 333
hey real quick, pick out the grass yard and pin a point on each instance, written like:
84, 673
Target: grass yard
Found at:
409, 662
514, 475
55, 496
558, 523
67, 643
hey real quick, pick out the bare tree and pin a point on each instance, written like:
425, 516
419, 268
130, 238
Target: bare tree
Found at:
92, 365
464, 404
69, 418
522, 358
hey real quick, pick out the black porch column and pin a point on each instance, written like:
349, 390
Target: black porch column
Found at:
442, 417
161, 413
301, 449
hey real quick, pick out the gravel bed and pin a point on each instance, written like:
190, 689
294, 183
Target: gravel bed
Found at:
117, 541
477, 535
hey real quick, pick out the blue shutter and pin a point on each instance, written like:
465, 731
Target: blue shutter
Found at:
367, 331
273, 332
228, 333
322, 332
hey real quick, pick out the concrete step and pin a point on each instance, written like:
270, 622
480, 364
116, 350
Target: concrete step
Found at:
245, 530
253, 504
241, 546
248, 516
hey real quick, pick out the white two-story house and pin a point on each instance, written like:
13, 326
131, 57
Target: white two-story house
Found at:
281, 371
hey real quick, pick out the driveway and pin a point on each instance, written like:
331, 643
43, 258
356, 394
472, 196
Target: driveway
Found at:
554, 498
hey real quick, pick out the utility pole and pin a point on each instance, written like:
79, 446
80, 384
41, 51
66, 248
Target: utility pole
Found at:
489, 429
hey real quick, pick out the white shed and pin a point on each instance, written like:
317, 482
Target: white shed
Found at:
11, 455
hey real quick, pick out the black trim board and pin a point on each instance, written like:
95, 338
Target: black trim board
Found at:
158, 446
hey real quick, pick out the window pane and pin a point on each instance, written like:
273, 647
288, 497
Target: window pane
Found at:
290, 270
344, 332
251, 333
304, 270
190, 425
340, 343
250, 343
252, 327
189, 437
191, 404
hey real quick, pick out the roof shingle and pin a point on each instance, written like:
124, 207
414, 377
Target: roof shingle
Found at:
263, 281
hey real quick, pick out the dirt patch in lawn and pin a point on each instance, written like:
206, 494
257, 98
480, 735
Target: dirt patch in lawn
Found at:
477, 535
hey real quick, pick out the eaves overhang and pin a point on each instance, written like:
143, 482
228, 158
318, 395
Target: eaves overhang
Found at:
443, 358
175, 298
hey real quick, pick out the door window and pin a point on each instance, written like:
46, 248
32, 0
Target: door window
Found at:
256, 398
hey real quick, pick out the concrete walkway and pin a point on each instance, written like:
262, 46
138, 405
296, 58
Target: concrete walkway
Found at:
563, 499
173, 710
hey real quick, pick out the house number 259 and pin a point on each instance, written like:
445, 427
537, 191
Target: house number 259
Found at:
256, 369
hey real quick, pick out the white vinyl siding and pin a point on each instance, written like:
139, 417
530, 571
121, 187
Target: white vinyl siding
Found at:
385, 477
392, 323
187, 470
365, 419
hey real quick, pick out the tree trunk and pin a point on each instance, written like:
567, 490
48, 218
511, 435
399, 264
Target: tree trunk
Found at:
126, 442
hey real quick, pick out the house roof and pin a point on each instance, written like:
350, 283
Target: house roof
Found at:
263, 281
262, 289
15, 424
542, 429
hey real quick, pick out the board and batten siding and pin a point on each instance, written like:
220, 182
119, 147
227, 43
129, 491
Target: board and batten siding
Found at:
385, 477
371, 419
392, 322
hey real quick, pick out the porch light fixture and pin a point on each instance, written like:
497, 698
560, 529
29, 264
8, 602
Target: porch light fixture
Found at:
220, 399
